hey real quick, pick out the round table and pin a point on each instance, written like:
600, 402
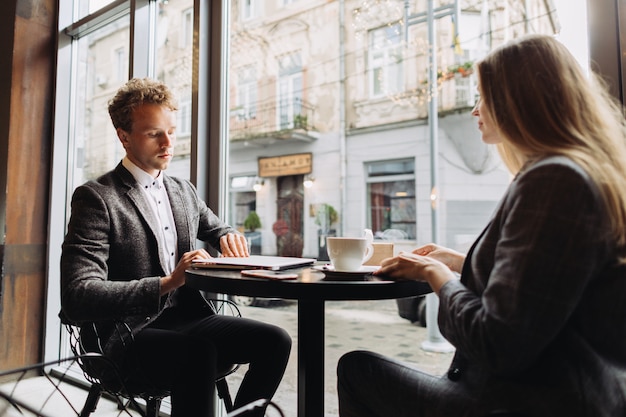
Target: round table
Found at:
311, 289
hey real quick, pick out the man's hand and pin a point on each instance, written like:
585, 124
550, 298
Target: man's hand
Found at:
177, 278
234, 245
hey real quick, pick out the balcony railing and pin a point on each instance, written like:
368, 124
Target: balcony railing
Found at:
266, 123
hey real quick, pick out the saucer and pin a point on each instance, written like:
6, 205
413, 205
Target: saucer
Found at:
361, 274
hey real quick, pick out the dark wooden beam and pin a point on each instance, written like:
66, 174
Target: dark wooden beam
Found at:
26, 114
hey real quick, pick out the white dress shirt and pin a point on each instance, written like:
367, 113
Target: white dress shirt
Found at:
159, 202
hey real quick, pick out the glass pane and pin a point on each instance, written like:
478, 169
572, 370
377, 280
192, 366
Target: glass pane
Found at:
102, 62
174, 65
356, 107
573, 18
86, 7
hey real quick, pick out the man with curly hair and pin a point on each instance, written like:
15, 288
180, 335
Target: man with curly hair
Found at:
131, 236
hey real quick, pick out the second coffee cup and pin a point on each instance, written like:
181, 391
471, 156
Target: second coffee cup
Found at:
348, 253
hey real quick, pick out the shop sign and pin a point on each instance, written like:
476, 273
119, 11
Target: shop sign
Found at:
277, 166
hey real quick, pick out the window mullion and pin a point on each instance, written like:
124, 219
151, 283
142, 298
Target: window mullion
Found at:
142, 41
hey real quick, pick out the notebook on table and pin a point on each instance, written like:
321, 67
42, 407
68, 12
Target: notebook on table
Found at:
273, 263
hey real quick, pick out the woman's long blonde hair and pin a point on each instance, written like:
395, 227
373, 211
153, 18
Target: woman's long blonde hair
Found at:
543, 104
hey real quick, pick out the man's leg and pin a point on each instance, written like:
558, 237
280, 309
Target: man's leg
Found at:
184, 364
263, 346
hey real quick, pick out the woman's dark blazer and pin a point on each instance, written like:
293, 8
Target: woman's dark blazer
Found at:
539, 315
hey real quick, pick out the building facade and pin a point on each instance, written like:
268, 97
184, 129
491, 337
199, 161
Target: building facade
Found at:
329, 114
348, 83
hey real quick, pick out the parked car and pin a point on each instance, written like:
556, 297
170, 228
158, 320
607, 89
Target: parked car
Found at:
240, 300
413, 309
244, 300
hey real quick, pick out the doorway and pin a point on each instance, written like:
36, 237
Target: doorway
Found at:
290, 210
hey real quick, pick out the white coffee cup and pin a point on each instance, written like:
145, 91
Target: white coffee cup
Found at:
349, 253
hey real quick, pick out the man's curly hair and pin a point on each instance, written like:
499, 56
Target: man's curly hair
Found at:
134, 93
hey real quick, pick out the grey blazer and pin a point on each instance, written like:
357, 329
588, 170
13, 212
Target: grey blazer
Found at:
539, 315
111, 263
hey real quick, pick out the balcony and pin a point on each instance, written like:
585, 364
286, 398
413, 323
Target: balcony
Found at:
456, 90
266, 124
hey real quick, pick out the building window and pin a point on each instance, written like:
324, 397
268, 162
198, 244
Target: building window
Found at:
386, 75
121, 64
246, 93
289, 89
186, 36
391, 199
249, 9
184, 118
465, 92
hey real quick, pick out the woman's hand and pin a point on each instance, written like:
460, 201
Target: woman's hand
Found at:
177, 278
410, 266
451, 258
234, 245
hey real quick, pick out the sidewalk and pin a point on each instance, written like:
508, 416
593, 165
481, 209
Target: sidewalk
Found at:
350, 325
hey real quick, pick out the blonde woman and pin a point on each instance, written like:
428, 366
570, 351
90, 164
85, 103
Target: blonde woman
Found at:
538, 317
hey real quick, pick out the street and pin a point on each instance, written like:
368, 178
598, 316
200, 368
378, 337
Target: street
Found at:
350, 325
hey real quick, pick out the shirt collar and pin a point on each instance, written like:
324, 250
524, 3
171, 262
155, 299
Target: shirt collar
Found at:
142, 177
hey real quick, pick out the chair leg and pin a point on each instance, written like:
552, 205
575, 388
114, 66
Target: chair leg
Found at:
152, 407
92, 400
224, 394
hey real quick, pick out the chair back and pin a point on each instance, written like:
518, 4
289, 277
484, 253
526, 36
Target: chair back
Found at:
86, 344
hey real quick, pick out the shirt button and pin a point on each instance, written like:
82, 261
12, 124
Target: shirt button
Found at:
454, 374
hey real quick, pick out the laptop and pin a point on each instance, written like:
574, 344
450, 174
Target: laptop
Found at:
273, 263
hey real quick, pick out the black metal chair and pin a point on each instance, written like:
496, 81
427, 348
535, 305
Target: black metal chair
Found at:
106, 379
58, 395
52, 399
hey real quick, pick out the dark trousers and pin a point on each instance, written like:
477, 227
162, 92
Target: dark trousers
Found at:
372, 385
186, 353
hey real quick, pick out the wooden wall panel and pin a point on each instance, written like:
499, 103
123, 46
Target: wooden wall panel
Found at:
26, 171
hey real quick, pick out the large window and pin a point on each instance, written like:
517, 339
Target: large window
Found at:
102, 44
101, 56
310, 93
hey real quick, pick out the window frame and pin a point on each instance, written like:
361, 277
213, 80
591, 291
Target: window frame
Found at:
208, 157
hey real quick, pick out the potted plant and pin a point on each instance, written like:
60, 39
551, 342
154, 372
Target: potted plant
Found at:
300, 121
325, 217
250, 224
